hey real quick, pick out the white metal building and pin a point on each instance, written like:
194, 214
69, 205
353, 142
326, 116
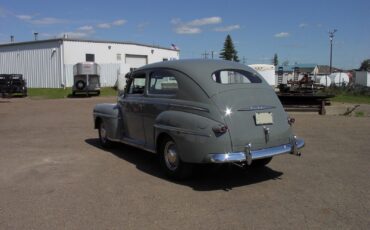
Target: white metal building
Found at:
49, 63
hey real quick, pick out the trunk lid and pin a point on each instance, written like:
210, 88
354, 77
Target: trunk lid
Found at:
253, 115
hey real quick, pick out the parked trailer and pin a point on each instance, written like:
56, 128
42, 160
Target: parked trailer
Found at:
266, 71
11, 84
86, 78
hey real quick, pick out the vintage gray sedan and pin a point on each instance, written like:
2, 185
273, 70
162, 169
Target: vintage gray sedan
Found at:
198, 111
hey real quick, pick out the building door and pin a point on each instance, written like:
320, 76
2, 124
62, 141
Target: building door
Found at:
135, 61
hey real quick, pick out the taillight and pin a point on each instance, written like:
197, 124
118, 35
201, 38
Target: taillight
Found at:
220, 129
291, 120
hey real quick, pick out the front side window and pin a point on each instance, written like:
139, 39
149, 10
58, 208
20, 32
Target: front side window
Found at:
162, 82
235, 77
137, 84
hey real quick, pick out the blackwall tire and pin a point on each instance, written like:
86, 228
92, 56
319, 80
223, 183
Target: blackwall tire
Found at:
103, 138
261, 162
171, 163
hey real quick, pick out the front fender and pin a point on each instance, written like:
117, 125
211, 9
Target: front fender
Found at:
110, 115
193, 135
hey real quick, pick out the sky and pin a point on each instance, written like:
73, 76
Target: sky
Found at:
297, 31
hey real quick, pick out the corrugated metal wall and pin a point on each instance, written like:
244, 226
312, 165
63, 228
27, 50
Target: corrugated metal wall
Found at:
39, 63
108, 74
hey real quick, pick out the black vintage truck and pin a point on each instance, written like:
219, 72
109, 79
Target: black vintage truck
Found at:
12, 84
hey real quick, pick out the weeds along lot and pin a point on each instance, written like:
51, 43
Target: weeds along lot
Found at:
49, 93
54, 175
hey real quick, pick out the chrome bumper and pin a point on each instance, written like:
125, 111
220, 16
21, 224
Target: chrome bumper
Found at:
250, 155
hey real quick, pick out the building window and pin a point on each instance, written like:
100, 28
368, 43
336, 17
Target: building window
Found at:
90, 57
119, 57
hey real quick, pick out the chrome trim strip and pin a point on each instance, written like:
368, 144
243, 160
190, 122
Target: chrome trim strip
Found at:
180, 130
190, 107
257, 107
127, 142
104, 115
249, 156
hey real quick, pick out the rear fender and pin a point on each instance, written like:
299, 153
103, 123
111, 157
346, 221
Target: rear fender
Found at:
192, 133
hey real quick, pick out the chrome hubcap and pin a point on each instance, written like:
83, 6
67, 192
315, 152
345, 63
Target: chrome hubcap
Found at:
170, 156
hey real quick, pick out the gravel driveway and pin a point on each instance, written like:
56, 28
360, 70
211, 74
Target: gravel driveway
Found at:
54, 175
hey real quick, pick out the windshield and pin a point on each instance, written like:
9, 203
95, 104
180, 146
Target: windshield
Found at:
231, 76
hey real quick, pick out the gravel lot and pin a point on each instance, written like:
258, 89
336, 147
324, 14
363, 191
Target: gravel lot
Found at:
54, 175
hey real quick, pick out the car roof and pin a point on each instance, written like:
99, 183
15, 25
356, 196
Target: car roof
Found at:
201, 70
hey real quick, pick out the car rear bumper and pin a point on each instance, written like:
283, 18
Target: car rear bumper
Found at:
249, 155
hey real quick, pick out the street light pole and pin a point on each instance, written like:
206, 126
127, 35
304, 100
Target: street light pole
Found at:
331, 37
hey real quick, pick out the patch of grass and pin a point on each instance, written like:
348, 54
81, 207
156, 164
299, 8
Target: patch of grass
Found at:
50, 93
359, 114
353, 99
108, 91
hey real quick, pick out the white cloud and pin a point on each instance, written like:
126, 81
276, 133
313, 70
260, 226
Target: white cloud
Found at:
108, 25
193, 27
227, 28
24, 17
40, 21
86, 28
47, 21
72, 34
119, 22
184, 29
303, 25
3, 12
204, 21
104, 26
282, 35
142, 26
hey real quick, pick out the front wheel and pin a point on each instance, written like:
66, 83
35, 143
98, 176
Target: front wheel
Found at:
171, 162
103, 137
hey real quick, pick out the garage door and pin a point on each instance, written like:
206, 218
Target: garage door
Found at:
136, 61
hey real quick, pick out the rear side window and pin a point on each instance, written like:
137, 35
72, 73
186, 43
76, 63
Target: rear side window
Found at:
235, 77
162, 82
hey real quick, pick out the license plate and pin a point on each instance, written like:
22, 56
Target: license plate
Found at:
264, 119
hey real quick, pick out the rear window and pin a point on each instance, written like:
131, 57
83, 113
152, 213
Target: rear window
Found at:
235, 77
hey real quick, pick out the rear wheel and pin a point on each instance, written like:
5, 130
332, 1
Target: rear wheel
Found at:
171, 162
261, 162
103, 137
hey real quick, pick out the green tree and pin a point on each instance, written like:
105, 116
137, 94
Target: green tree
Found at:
365, 65
275, 60
286, 63
229, 52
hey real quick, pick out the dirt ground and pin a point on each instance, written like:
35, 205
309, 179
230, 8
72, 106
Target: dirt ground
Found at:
54, 175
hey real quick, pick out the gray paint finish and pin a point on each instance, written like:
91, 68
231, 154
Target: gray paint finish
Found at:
190, 116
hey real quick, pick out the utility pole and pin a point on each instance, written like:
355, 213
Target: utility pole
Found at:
205, 55
331, 37
244, 60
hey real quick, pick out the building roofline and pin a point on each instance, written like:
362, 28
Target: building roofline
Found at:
83, 40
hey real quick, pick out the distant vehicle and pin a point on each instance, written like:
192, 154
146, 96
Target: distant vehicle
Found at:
198, 111
86, 78
11, 84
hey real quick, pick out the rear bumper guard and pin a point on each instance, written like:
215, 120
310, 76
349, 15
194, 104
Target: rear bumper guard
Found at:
250, 155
